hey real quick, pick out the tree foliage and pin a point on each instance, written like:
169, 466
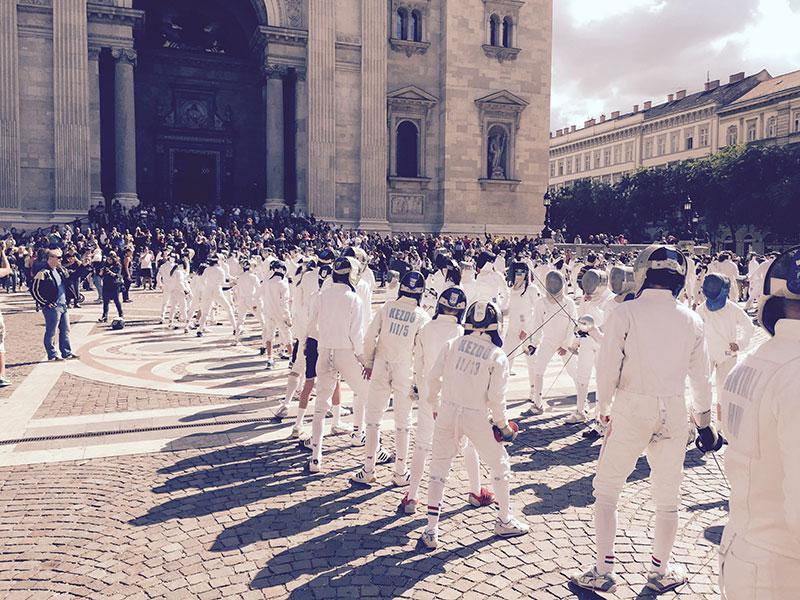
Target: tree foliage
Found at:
740, 186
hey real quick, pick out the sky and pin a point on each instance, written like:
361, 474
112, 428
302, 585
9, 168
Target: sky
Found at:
611, 54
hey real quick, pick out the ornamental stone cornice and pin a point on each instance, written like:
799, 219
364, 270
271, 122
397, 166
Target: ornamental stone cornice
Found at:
124, 55
286, 36
410, 47
411, 97
500, 53
502, 105
275, 71
104, 13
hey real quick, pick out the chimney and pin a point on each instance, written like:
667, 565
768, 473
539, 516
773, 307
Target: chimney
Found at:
648, 105
635, 108
589, 123
736, 77
615, 114
671, 97
573, 128
551, 135
602, 118
680, 95
558, 132
712, 85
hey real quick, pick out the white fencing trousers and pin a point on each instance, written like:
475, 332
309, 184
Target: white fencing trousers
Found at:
268, 327
750, 573
423, 444
329, 364
221, 300
587, 355
177, 305
656, 426
453, 423
389, 379
541, 358
242, 310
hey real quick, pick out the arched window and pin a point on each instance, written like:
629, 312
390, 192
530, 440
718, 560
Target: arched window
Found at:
497, 153
407, 150
733, 135
494, 30
508, 28
402, 23
416, 26
772, 127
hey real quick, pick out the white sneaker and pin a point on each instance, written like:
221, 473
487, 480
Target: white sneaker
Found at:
340, 429
673, 578
363, 477
4, 382
358, 438
576, 417
313, 466
430, 539
298, 432
534, 410
510, 528
401, 479
593, 580
283, 411
407, 505
383, 457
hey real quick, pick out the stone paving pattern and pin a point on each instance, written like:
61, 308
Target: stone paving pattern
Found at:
243, 521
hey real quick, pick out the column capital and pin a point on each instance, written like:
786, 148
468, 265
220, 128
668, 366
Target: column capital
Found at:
301, 73
94, 52
124, 55
273, 71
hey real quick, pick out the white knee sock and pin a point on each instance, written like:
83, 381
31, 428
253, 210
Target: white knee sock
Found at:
666, 530
583, 395
503, 495
372, 445
605, 527
337, 413
401, 450
291, 386
473, 466
538, 384
417, 469
301, 413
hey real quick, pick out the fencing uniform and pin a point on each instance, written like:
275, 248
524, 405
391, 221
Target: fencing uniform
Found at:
213, 281
275, 314
730, 324
176, 287
246, 293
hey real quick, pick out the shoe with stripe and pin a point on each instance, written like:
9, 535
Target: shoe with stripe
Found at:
430, 539
383, 457
510, 528
362, 477
407, 506
673, 578
485, 498
596, 581
401, 479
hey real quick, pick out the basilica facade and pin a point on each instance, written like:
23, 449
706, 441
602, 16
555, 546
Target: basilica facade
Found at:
415, 115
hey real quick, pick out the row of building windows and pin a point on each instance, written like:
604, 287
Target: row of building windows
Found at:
592, 160
408, 26
751, 130
678, 142
501, 33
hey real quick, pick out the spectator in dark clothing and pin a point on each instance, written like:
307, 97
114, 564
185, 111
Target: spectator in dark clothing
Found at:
52, 294
111, 274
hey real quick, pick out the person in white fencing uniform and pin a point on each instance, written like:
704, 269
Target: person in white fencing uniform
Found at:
725, 266
728, 328
437, 281
162, 275
757, 282
246, 294
490, 286
176, 286
651, 345
594, 284
554, 319
444, 327
471, 373
213, 282
338, 318
196, 300
522, 299
388, 361
275, 312
760, 549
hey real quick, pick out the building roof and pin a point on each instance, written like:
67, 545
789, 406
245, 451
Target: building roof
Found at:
779, 83
722, 95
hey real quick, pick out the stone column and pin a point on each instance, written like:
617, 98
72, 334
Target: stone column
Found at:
94, 125
275, 75
322, 108
373, 115
71, 106
9, 106
124, 126
301, 140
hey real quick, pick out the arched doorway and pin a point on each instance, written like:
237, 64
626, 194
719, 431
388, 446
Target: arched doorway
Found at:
199, 103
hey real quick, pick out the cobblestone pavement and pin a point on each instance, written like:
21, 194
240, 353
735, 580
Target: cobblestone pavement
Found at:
236, 518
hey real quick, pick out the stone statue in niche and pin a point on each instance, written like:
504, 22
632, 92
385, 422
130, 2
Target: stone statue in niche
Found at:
498, 142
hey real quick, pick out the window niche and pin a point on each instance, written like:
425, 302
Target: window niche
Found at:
409, 117
501, 18
408, 29
499, 115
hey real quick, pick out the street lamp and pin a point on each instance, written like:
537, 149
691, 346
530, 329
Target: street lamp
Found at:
687, 212
547, 201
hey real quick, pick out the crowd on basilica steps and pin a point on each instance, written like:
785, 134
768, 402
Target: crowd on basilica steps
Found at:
460, 312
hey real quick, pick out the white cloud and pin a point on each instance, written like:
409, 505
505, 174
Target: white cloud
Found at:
611, 54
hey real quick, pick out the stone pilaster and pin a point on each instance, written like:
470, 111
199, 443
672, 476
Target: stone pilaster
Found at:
301, 140
71, 106
94, 124
373, 114
9, 106
124, 126
322, 108
275, 75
